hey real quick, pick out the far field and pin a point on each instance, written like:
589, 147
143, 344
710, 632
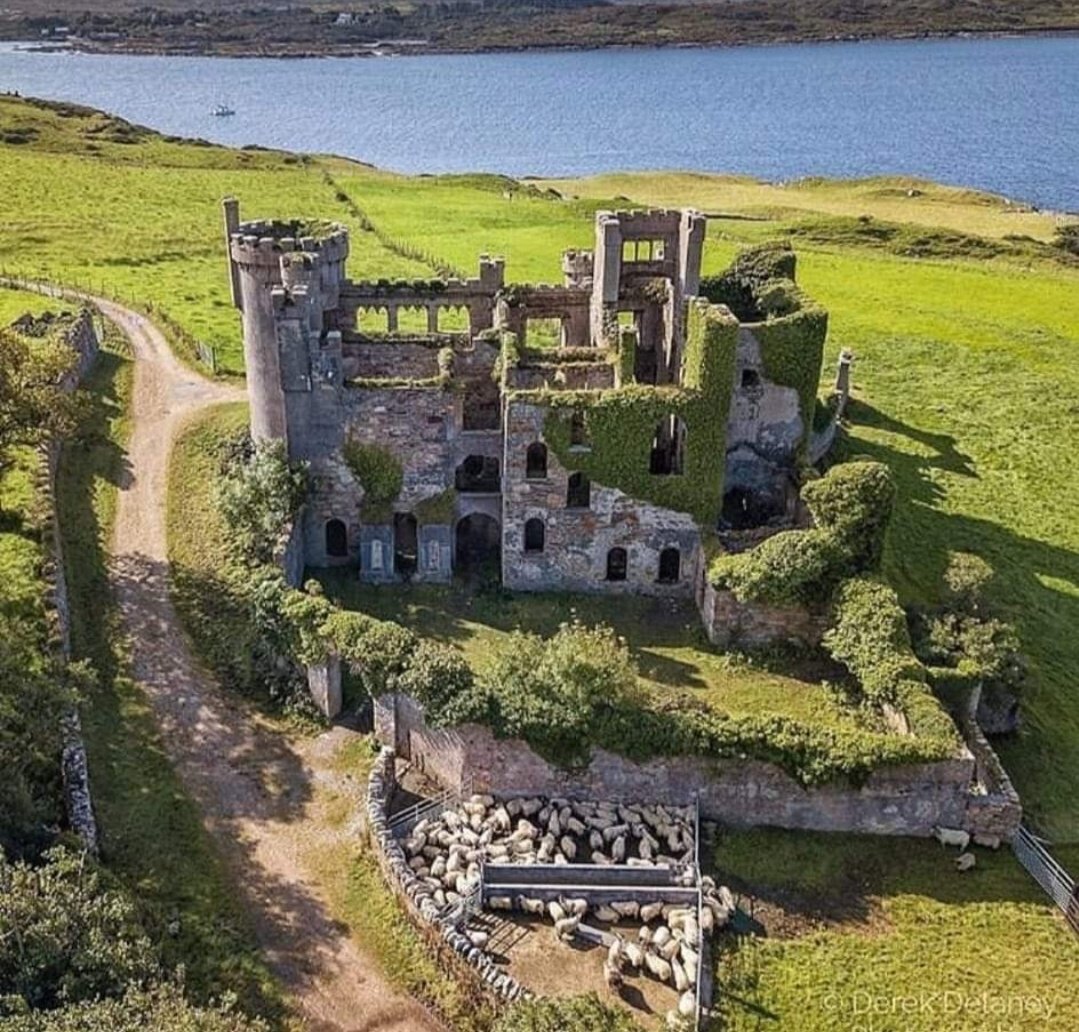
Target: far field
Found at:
963, 318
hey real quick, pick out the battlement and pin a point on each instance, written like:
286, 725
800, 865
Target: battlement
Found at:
264, 242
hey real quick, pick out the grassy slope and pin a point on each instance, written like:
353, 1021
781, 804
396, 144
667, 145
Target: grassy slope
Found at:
152, 835
854, 920
14, 303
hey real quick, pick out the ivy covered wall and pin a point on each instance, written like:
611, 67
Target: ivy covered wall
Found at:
619, 425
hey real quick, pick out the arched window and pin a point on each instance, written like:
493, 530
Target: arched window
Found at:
478, 474
535, 535
616, 564
536, 461
336, 539
669, 447
670, 566
578, 492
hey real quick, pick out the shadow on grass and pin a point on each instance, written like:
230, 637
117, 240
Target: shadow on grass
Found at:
1036, 586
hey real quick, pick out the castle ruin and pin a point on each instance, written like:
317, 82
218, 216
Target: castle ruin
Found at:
587, 436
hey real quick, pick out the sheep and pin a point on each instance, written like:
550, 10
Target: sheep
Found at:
644, 936
601, 858
726, 897
477, 938
606, 914
687, 1004
615, 953
650, 911
951, 837
661, 936
595, 840
568, 847
627, 909
556, 911
690, 931
574, 826
618, 849
614, 831
678, 974
577, 907
986, 841
566, 928
634, 955
965, 861
531, 906
500, 903
554, 825
613, 977
669, 949
658, 967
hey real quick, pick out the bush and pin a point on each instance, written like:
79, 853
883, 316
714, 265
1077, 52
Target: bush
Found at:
65, 936
440, 680
552, 692
379, 473
157, 1009
259, 499
851, 507
566, 1014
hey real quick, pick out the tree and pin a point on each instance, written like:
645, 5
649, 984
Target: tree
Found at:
33, 408
552, 692
157, 1009
65, 936
259, 498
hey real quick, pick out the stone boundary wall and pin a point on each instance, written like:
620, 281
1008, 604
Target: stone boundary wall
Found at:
894, 800
452, 950
727, 621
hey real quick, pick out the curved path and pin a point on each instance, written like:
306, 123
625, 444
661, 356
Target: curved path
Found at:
255, 787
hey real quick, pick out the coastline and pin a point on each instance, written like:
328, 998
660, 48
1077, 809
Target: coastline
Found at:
78, 45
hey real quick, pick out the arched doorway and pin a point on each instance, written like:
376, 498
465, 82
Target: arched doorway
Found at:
478, 547
336, 539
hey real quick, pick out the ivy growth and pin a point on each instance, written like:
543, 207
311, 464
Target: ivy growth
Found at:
380, 475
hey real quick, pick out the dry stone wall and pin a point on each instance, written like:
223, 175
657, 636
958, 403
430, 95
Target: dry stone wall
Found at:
754, 625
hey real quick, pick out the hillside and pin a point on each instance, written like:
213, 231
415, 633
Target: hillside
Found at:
320, 27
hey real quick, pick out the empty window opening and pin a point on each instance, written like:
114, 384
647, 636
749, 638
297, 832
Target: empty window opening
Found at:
405, 543
645, 362
751, 378
578, 430
478, 474
668, 447
478, 546
412, 319
536, 461
482, 406
543, 333
372, 320
670, 566
453, 319
578, 492
744, 509
617, 564
535, 535
628, 320
336, 539
642, 250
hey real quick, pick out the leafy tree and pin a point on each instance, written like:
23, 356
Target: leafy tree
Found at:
65, 936
259, 497
32, 407
160, 1008
553, 692
585, 1013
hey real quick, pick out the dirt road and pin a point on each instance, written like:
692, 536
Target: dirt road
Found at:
254, 786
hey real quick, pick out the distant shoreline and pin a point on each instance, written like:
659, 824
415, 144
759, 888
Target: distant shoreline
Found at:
136, 48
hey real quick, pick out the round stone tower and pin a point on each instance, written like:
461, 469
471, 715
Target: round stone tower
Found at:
266, 258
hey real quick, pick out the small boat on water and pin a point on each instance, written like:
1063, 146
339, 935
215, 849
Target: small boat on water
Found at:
222, 111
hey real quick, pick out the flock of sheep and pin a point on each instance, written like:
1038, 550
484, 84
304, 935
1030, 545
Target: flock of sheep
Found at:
446, 853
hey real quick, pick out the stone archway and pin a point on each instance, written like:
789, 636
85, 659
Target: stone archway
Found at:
478, 547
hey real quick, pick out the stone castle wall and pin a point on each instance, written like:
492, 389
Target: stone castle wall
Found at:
754, 625
897, 800
577, 540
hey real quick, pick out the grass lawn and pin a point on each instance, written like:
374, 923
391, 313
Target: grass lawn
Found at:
15, 303
665, 636
152, 834
834, 925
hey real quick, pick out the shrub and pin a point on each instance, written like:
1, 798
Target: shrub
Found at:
161, 1008
65, 936
551, 692
966, 577
379, 473
439, 679
565, 1014
851, 506
259, 498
